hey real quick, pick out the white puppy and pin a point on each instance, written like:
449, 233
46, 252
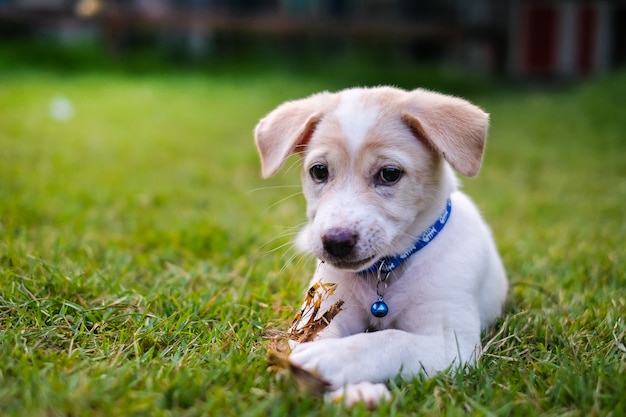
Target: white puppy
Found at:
411, 257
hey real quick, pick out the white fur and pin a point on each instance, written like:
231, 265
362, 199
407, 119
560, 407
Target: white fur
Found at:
355, 119
363, 392
441, 297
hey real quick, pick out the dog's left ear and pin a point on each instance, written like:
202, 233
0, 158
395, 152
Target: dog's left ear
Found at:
287, 130
453, 127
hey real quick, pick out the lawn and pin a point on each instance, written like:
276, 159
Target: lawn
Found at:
142, 256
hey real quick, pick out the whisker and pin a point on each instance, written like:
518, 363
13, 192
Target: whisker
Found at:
279, 237
282, 200
295, 163
301, 260
288, 232
271, 187
278, 248
288, 263
264, 253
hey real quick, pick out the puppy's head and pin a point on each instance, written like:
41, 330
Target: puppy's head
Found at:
376, 165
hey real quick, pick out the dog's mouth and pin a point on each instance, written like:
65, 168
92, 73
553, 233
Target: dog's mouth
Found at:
351, 265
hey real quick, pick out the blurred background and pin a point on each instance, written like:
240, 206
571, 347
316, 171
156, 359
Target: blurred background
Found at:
131, 199
557, 39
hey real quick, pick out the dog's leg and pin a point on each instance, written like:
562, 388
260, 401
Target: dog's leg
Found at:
379, 356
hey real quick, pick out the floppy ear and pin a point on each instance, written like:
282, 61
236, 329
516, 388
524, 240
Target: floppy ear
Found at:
453, 127
286, 130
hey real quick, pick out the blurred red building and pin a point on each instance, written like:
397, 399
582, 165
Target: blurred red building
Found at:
565, 38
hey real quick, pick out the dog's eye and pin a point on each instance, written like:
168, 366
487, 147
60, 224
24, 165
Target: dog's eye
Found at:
319, 172
389, 175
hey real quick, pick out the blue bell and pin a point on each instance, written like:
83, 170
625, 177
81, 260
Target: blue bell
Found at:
379, 308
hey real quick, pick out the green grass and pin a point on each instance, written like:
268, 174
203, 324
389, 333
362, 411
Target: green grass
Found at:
141, 255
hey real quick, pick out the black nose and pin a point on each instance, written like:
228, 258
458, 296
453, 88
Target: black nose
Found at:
339, 242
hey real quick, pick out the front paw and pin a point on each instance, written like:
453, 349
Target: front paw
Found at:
365, 392
338, 361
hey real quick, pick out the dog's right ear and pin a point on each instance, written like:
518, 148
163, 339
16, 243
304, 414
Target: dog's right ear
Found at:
287, 130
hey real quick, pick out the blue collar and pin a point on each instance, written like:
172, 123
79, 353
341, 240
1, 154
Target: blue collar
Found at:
389, 263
